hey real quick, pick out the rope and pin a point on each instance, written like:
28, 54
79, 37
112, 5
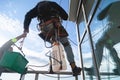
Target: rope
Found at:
56, 76
51, 56
20, 50
21, 45
46, 39
38, 66
72, 42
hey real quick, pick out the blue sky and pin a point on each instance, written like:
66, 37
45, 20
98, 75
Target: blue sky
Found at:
12, 14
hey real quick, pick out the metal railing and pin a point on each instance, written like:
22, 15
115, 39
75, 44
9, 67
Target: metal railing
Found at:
22, 77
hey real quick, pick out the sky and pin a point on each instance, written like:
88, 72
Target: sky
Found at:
12, 14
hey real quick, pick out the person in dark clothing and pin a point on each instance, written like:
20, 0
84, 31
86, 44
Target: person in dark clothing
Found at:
110, 37
49, 15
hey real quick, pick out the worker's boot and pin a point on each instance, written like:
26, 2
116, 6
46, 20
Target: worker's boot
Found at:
76, 70
90, 71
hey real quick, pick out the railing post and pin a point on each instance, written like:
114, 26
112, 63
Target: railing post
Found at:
22, 76
58, 76
36, 76
76, 77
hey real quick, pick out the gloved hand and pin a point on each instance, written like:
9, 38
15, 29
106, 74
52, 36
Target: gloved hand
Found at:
26, 31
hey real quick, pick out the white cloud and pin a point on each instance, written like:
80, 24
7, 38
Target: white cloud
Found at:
9, 25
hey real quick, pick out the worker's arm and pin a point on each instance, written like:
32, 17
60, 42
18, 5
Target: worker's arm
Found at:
28, 17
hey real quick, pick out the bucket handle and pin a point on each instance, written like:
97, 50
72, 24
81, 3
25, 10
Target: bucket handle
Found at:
20, 47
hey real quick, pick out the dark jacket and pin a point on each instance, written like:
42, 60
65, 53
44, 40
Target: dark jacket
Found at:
44, 10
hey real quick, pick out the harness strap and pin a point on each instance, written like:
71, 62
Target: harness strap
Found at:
49, 21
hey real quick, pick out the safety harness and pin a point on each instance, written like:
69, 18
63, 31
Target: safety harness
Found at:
47, 29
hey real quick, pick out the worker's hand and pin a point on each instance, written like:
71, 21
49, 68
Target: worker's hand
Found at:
26, 31
21, 36
24, 34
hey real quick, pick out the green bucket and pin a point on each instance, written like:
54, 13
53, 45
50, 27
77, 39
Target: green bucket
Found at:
14, 61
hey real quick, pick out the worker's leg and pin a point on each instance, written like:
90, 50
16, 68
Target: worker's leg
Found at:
76, 70
99, 51
68, 49
114, 55
99, 46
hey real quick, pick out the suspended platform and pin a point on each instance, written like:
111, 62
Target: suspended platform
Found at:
22, 77
60, 73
